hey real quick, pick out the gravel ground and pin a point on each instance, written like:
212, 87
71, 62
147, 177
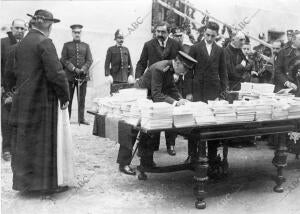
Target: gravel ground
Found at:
101, 188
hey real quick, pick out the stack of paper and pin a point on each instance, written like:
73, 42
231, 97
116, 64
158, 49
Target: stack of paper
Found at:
279, 112
157, 116
224, 112
245, 110
294, 109
131, 114
263, 112
183, 116
202, 113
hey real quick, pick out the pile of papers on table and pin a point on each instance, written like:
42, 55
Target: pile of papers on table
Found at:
263, 109
245, 110
252, 91
280, 111
294, 109
157, 116
202, 113
183, 116
223, 111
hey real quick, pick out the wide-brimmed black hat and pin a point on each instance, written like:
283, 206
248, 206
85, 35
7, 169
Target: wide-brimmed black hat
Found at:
188, 61
45, 15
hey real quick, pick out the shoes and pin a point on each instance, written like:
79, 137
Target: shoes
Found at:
189, 160
171, 151
6, 156
127, 170
84, 122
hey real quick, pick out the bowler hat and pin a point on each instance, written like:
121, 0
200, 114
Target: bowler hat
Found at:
45, 15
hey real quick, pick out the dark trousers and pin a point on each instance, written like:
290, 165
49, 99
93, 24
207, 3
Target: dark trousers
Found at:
81, 104
170, 139
212, 147
147, 147
124, 156
6, 129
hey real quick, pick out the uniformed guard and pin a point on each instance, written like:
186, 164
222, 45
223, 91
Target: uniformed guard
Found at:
289, 35
118, 66
77, 58
287, 69
159, 81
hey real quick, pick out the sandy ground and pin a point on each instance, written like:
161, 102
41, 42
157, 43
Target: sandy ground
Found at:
101, 188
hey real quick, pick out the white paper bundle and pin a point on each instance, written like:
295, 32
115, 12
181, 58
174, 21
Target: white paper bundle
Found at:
245, 110
157, 116
202, 113
223, 111
183, 116
65, 160
294, 109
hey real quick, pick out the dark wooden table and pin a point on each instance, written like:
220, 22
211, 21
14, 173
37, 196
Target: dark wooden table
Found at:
206, 134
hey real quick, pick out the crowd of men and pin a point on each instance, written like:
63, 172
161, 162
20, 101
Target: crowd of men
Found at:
34, 78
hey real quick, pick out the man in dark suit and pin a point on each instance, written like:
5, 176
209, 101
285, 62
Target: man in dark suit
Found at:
14, 36
160, 48
287, 67
209, 79
289, 35
118, 66
159, 81
76, 58
236, 62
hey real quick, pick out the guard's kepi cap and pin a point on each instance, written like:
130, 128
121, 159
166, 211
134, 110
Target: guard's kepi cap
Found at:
188, 61
76, 26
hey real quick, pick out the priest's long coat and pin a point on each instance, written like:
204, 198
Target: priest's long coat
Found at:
34, 69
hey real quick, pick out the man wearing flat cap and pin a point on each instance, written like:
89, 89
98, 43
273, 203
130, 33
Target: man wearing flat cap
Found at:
38, 82
118, 66
159, 81
76, 58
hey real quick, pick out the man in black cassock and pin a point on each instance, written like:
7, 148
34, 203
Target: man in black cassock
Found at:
34, 70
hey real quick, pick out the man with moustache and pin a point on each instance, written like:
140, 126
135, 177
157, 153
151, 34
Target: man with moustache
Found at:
76, 58
208, 81
118, 66
162, 47
18, 29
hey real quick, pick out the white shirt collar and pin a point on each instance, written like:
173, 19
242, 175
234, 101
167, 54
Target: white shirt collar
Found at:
165, 42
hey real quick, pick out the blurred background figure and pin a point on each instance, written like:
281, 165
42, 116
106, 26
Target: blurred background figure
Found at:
289, 36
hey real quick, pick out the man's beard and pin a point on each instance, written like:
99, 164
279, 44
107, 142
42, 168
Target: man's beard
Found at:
19, 36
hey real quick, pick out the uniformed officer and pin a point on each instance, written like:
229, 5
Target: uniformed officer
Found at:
118, 66
77, 58
159, 81
289, 35
287, 68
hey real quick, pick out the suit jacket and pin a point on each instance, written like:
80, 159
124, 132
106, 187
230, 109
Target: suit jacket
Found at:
209, 78
236, 72
76, 55
286, 67
152, 52
6, 46
159, 81
118, 63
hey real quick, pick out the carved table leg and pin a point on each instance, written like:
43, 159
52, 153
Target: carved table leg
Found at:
280, 161
200, 177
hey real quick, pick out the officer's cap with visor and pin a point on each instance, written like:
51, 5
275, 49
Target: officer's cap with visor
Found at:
187, 61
